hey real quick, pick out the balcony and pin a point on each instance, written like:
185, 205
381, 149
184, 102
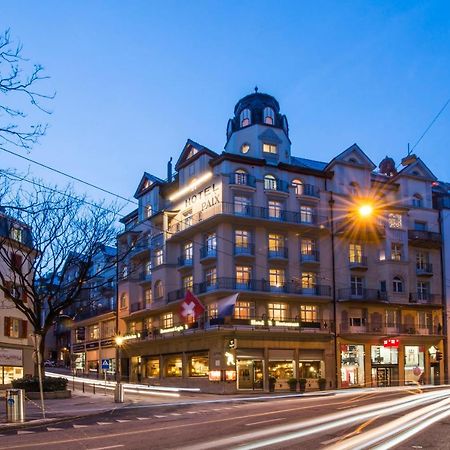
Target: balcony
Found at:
139, 249
389, 329
310, 257
424, 270
207, 252
276, 185
242, 179
244, 250
145, 277
424, 298
279, 253
134, 307
362, 294
358, 263
421, 238
308, 190
184, 262
94, 312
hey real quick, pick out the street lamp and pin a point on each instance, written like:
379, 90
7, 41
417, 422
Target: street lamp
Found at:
365, 210
118, 393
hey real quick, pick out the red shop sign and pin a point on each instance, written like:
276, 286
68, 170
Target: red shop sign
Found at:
391, 343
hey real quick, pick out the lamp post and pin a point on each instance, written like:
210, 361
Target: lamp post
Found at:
118, 394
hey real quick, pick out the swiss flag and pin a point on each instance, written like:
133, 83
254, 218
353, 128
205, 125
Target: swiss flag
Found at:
191, 308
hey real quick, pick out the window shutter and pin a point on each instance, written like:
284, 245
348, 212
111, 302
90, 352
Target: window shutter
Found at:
7, 331
23, 328
16, 261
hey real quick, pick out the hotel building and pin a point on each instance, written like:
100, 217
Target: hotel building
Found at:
337, 265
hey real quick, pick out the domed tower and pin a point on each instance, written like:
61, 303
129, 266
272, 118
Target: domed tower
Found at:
258, 129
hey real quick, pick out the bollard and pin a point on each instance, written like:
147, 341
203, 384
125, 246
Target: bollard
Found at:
15, 406
93, 388
83, 387
118, 393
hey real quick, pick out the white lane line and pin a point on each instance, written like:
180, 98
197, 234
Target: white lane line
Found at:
159, 417
80, 426
104, 423
142, 418
123, 420
192, 412
54, 429
104, 448
175, 414
264, 421
24, 432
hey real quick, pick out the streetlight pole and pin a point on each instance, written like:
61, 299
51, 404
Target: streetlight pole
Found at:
118, 395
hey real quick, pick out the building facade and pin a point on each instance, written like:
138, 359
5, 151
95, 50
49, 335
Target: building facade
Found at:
336, 266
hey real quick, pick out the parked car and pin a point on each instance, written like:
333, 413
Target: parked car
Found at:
49, 363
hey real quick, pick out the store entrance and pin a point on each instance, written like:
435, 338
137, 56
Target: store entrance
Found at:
250, 374
385, 376
435, 374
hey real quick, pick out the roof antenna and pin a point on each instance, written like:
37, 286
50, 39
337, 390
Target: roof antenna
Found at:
256, 89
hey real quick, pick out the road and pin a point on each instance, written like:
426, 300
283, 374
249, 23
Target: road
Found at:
378, 419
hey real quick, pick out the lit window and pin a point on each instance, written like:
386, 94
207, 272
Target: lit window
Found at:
306, 214
211, 278
245, 148
241, 238
308, 280
277, 311
397, 285
123, 300
242, 206
211, 242
188, 251
308, 247
395, 220
159, 257
159, 289
270, 182
269, 116
174, 366
148, 211
193, 151
270, 148
212, 310
148, 268
276, 278
240, 176
243, 276
356, 286
245, 118
16, 234
309, 313
396, 251
188, 282
276, 243
244, 310
275, 209
298, 186
198, 366
355, 253
148, 296
167, 320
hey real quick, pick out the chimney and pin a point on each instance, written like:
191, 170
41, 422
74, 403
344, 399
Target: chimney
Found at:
169, 170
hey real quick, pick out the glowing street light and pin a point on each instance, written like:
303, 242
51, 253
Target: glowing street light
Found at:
119, 340
365, 210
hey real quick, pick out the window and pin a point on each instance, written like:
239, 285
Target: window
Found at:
423, 290
397, 285
353, 189
245, 148
355, 253
309, 313
417, 201
188, 251
269, 116
270, 148
275, 209
211, 241
396, 251
246, 118
174, 366
159, 257
148, 323
240, 176
198, 366
188, 282
243, 276
425, 319
242, 206
187, 219
167, 320
94, 332
148, 211
356, 286
421, 260
241, 239
306, 214
123, 300
148, 297
124, 271
108, 328
308, 247
270, 182
420, 226
191, 170
308, 280
298, 187
395, 220
391, 318
277, 311
16, 234
276, 279
193, 151
15, 328
212, 310
159, 292
276, 244
148, 268
211, 278
244, 310
356, 318
151, 368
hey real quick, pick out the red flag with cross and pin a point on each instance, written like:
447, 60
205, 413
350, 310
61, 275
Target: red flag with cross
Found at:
191, 309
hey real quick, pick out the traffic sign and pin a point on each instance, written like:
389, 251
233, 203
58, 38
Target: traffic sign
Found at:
105, 364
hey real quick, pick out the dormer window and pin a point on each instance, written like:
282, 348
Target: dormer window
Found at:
193, 151
245, 148
16, 234
269, 116
245, 118
353, 188
148, 211
270, 148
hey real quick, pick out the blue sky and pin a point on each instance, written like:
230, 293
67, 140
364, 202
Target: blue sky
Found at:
135, 79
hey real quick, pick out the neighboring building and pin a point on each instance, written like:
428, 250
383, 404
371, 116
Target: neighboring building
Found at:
16, 350
323, 291
93, 326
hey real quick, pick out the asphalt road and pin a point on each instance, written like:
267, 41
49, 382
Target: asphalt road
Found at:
378, 419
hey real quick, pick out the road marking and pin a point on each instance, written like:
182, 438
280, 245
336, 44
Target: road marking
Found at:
54, 429
123, 420
192, 412
142, 418
104, 448
175, 414
24, 432
80, 426
159, 417
353, 433
263, 421
104, 423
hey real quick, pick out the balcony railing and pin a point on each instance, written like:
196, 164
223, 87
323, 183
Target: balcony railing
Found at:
276, 185
424, 269
424, 298
184, 262
312, 256
244, 249
357, 262
94, 311
279, 253
208, 252
310, 190
139, 306
242, 179
389, 329
424, 238
362, 294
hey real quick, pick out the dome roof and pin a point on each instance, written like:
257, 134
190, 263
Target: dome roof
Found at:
257, 100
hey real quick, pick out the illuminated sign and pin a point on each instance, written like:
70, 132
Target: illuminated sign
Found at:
274, 323
173, 329
191, 187
214, 375
207, 197
286, 324
257, 322
230, 375
391, 343
230, 359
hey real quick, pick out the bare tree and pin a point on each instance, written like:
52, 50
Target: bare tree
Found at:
44, 234
20, 86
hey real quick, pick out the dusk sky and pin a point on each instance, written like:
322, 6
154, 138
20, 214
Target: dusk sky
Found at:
135, 79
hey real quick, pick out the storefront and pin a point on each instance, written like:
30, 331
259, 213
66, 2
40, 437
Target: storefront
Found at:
250, 369
311, 367
384, 360
352, 365
414, 364
11, 365
281, 367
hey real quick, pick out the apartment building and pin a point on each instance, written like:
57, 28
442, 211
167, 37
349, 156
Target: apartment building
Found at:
336, 266
16, 350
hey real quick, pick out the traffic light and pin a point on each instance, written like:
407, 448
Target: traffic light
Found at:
438, 356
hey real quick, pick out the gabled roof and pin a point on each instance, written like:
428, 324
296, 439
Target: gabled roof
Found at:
343, 157
417, 169
308, 163
146, 178
183, 160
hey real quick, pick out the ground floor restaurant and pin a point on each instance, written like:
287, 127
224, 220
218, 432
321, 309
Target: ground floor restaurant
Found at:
15, 363
87, 358
392, 362
226, 364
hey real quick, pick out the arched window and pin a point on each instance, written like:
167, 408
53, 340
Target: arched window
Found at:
148, 211
240, 176
397, 285
124, 271
246, 118
298, 186
123, 300
417, 201
158, 289
270, 182
245, 148
269, 116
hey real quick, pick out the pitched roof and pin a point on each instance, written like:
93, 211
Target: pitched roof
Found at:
353, 148
308, 163
190, 144
147, 177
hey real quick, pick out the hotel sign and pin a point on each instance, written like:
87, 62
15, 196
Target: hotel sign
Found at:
274, 323
205, 198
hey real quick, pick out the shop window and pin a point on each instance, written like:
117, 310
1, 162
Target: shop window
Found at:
10, 373
244, 310
383, 355
414, 364
174, 366
198, 366
151, 368
310, 369
352, 365
277, 311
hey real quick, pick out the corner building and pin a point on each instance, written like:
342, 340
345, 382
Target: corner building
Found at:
277, 229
